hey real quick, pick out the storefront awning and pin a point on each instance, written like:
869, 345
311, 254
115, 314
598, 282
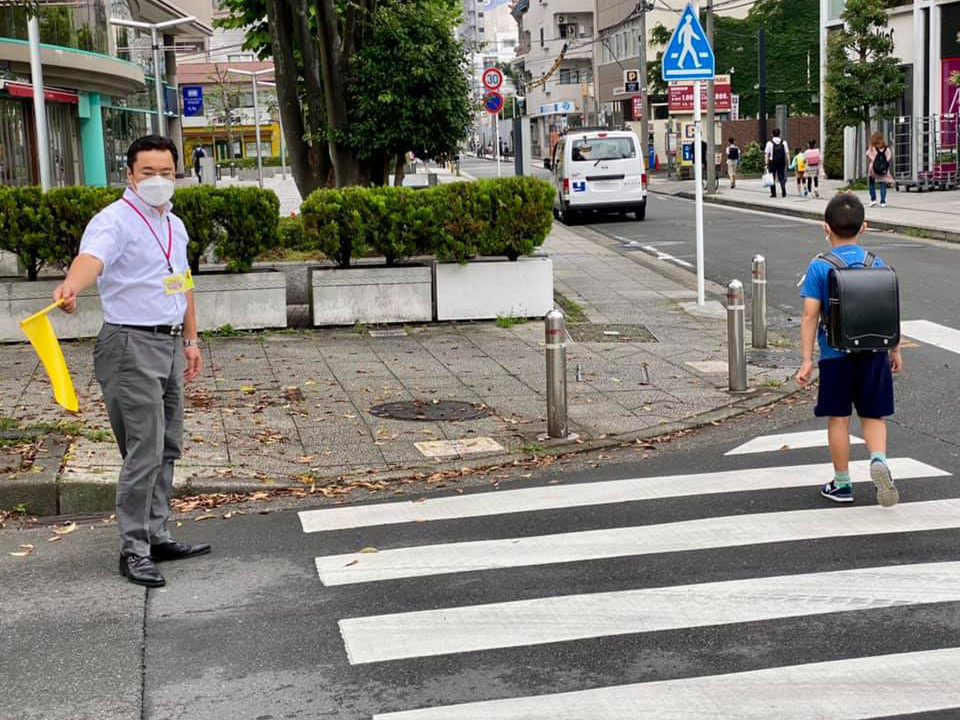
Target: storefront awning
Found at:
25, 90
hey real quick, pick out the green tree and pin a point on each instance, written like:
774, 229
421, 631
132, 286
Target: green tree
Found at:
327, 56
863, 77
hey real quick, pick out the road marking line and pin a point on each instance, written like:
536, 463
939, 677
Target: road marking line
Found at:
660, 255
885, 685
553, 497
932, 333
792, 441
715, 532
577, 617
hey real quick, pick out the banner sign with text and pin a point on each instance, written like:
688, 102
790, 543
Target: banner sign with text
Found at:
680, 97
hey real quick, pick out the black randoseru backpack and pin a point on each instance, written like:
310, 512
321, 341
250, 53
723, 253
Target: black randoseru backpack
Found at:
864, 305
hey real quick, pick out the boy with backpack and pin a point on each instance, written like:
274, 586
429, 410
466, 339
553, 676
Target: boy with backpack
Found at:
733, 161
777, 153
859, 379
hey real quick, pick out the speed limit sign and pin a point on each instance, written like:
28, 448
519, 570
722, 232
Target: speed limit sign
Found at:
492, 78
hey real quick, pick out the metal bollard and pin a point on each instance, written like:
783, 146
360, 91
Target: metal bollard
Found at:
736, 352
555, 325
758, 317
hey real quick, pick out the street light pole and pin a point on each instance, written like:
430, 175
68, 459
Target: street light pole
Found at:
253, 75
39, 103
155, 28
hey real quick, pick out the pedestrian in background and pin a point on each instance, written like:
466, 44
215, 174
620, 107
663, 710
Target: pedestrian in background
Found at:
813, 160
848, 380
799, 166
879, 161
198, 154
777, 153
733, 161
136, 251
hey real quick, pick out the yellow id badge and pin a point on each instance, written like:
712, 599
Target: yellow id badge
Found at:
189, 280
175, 284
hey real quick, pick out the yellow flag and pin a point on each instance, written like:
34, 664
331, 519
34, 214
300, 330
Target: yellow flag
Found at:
40, 333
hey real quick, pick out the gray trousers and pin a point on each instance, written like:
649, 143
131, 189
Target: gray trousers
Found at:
141, 375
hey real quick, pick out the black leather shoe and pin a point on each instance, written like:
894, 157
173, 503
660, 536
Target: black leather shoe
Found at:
141, 571
177, 550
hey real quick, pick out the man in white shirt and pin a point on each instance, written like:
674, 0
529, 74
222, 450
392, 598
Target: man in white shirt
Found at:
136, 251
778, 155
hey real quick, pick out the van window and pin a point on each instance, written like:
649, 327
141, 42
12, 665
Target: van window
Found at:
617, 148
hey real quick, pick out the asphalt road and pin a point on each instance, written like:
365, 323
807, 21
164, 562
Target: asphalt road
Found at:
253, 632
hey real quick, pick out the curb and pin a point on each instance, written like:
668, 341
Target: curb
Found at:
901, 228
52, 493
38, 489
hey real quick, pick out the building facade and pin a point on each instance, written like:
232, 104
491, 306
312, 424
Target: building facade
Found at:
554, 56
218, 110
98, 86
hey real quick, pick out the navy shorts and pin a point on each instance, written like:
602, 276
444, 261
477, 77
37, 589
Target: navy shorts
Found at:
861, 380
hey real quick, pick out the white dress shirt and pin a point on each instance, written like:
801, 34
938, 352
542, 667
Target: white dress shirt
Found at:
768, 150
134, 261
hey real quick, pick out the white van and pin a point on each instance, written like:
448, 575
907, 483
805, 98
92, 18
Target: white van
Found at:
598, 170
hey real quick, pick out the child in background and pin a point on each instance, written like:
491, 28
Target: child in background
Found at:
813, 160
799, 164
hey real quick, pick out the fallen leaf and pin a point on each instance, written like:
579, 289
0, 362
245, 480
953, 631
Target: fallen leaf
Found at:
248, 390
208, 516
352, 562
65, 529
369, 550
785, 447
55, 538
25, 550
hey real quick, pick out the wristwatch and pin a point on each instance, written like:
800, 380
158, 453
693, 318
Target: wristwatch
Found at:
191, 343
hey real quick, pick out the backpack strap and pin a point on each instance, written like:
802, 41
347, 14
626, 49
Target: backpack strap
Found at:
832, 259
869, 259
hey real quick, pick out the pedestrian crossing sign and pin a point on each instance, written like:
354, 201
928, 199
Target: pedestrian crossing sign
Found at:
688, 55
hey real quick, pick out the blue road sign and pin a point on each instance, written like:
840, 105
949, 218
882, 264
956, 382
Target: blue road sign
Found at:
192, 100
688, 55
493, 102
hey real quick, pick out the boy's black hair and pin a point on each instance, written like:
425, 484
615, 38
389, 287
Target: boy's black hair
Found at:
844, 215
151, 142
776, 132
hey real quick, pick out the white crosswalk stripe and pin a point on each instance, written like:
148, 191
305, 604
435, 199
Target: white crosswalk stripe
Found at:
932, 333
908, 682
898, 684
597, 493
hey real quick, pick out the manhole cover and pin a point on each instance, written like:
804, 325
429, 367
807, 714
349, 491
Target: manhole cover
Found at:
430, 410
773, 359
610, 333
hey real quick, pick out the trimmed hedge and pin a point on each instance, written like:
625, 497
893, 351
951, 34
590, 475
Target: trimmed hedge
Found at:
45, 230
509, 216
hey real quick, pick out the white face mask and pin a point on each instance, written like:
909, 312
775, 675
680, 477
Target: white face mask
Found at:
156, 190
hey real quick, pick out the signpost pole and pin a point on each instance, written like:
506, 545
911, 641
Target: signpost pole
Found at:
496, 122
698, 172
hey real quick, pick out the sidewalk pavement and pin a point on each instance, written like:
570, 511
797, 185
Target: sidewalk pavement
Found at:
934, 214
276, 409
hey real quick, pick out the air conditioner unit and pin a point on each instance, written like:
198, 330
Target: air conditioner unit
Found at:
561, 19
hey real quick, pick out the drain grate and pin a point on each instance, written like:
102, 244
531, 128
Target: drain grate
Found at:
610, 333
431, 410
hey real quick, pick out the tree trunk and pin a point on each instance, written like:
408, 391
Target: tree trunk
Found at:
401, 167
302, 126
333, 70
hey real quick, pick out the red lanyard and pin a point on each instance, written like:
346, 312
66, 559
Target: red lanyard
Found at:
166, 253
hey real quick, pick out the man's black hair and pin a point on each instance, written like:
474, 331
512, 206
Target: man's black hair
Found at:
732, 141
151, 142
776, 132
844, 215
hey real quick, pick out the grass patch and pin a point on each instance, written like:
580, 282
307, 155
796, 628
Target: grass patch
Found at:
69, 427
918, 233
222, 331
509, 321
860, 184
781, 343
533, 449
573, 311
7, 423
773, 383
360, 328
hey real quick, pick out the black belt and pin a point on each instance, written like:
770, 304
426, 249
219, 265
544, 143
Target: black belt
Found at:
173, 330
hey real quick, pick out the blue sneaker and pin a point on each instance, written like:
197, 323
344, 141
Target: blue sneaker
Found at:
887, 493
837, 493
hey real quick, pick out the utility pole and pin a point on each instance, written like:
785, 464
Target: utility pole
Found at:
762, 81
644, 105
711, 115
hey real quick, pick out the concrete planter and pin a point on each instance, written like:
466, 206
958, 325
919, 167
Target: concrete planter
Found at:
486, 288
251, 173
248, 301
370, 294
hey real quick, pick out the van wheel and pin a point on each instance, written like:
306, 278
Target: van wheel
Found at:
641, 212
568, 216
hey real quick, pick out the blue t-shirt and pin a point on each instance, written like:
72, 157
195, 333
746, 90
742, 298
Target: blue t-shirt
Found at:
815, 287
